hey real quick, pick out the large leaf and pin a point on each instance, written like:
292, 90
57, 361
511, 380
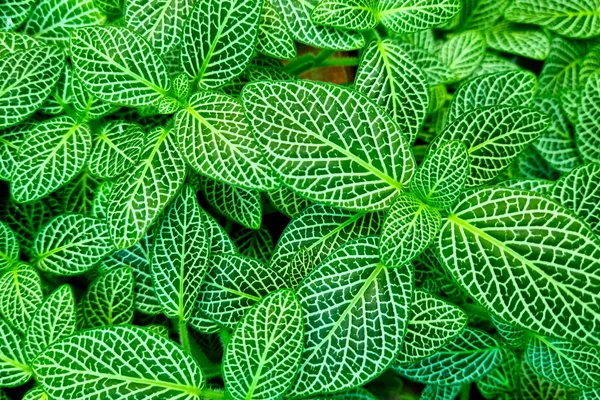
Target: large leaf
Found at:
274, 38
119, 66
350, 155
240, 205
26, 80
588, 126
463, 53
77, 196
117, 147
351, 301
54, 320
527, 260
14, 370
180, 256
118, 362
406, 16
346, 14
432, 67
288, 202
9, 246
534, 387
216, 141
513, 336
219, 39
263, 354
12, 14
139, 197
530, 43
22, 295
108, 300
71, 244
389, 76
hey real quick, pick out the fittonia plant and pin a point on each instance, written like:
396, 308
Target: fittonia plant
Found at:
442, 204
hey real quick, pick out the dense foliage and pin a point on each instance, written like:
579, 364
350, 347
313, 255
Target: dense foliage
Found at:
441, 201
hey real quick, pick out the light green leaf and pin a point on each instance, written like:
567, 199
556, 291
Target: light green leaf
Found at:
77, 196
562, 67
503, 380
494, 137
441, 177
100, 201
514, 88
563, 362
26, 79
465, 359
571, 18
301, 265
297, 17
11, 42
202, 323
87, 106
140, 196
240, 205
368, 312
494, 63
117, 147
389, 76
463, 53
433, 69
513, 336
406, 16
429, 267
14, 13
108, 300
52, 154
541, 186
432, 392
526, 42
14, 370
137, 364
350, 155
432, 324
274, 38
111, 8
216, 141
513, 251
10, 142
119, 66
346, 14
54, 320
53, 20
483, 14
180, 255
321, 229
218, 40
288, 202
22, 295
263, 354
233, 285
9, 246
61, 96
530, 164
35, 393
588, 127
253, 243
71, 244
534, 387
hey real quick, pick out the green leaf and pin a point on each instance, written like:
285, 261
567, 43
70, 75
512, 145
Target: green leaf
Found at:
60, 98
26, 220
35, 393
571, 18
216, 141
180, 255
53, 20
562, 67
253, 243
140, 196
493, 63
274, 38
108, 300
433, 69
432, 324
463, 53
588, 128
563, 362
368, 312
117, 147
513, 336
10, 141
409, 228
406, 16
9, 246
592, 394
389, 76
263, 354
54, 320
138, 364
579, 191
77, 196
288, 202
345, 14
441, 177
71, 244
233, 285
52, 154
240, 205
513, 88
220, 242
513, 251
350, 155
465, 359
321, 229
119, 66
502, 380
432, 392
534, 387
483, 14
526, 42
100, 201
494, 137
26, 79
11, 42
14, 370
87, 106
218, 40
14, 13
22, 295
297, 17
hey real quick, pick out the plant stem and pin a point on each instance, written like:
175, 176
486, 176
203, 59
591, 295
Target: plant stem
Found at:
341, 62
212, 394
465, 391
184, 336
308, 62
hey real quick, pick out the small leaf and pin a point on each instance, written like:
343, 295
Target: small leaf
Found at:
100, 201
288, 202
77, 196
26, 220
9, 246
530, 43
14, 370
108, 300
240, 205
22, 295
274, 38
345, 14
117, 147
35, 393
406, 16
253, 243
463, 53
513, 336
87, 106
503, 380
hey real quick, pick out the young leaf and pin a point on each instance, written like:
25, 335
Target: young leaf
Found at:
346, 14
409, 228
22, 295
493, 63
26, 220
109, 299
137, 364
180, 255
588, 128
406, 16
87, 106
432, 324
505, 247
363, 152
240, 205
54, 320
369, 312
263, 354
530, 43
253, 243
140, 196
35, 393
119, 66
513, 336
9, 247
71, 244
465, 359
463, 53
14, 370
100, 201
287, 202
26, 80
218, 40
274, 38
117, 147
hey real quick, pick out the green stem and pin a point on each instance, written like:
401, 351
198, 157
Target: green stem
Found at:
341, 62
184, 336
465, 391
308, 62
212, 394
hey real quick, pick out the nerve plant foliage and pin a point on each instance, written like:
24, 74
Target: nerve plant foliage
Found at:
444, 205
